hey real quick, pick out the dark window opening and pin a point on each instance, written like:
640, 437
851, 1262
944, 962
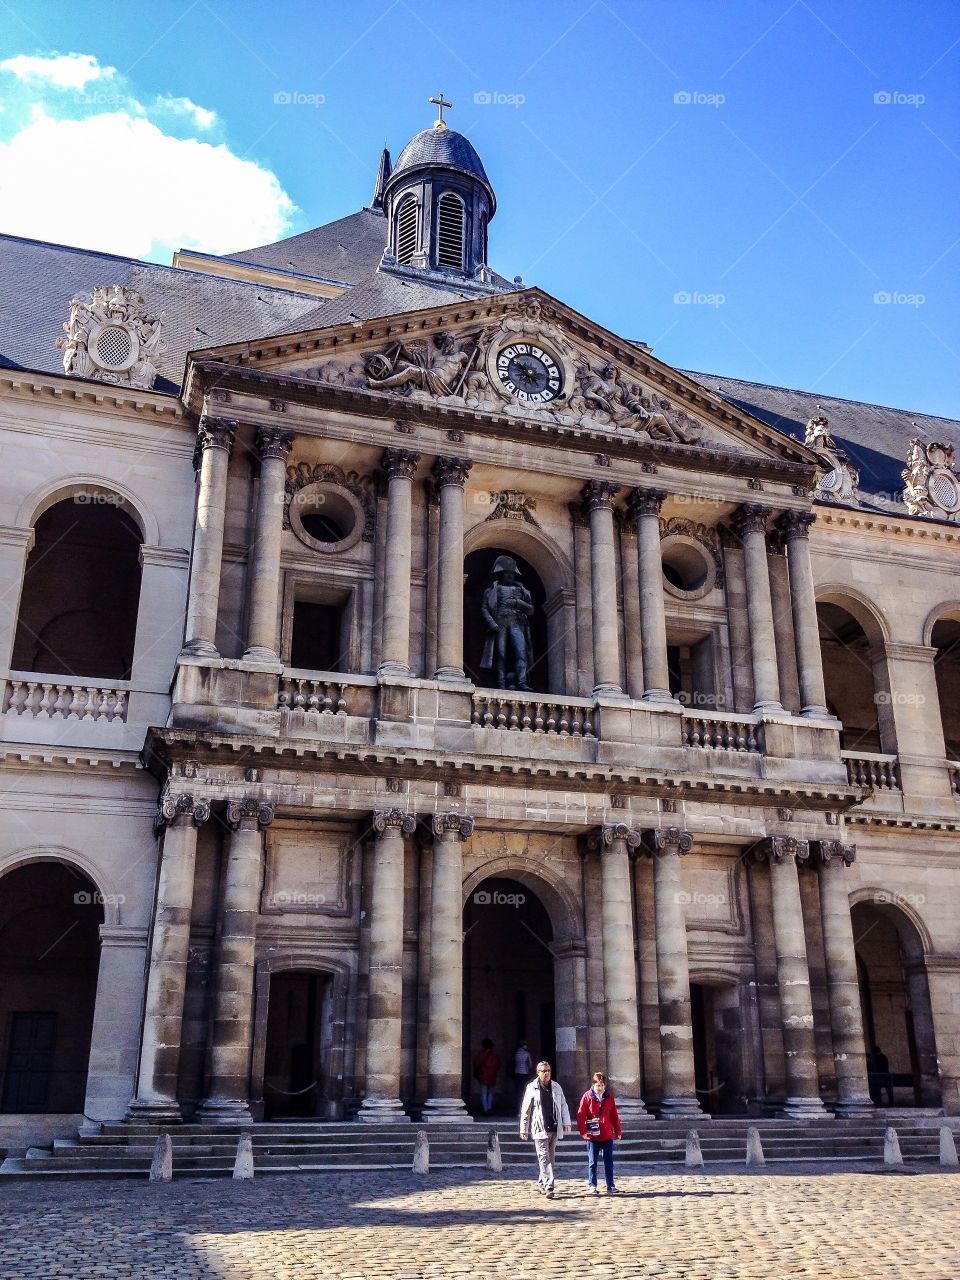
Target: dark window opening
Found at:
323, 528
316, 638
407, 230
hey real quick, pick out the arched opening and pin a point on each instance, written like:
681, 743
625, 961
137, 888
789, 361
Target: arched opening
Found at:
717, 1040
895, 1005
406, 236
508, 982
849, 681
945, 638
479, 643
450, 228
50, 918
299, 1039
81, 591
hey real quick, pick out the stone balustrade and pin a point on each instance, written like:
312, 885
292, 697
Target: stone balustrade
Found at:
872, 769
48, 698
721, 732
569, 717
325, 697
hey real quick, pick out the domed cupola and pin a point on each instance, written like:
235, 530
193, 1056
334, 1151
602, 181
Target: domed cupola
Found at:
438, 201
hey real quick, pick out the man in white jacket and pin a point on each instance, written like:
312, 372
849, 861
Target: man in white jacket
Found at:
544, 1117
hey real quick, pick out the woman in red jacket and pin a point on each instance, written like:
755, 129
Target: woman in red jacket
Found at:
599, 1124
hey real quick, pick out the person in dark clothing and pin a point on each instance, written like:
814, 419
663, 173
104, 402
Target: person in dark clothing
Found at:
878, 1076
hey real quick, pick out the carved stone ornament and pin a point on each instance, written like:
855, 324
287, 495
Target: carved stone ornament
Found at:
112, 338
645, 502
213, 433
667, 840
841, 481
705, 534
251, 810
823, 851
513, 504
817, 434
611, 832
274, 443
456, 823
452, 471
174, 805
795, 524
605, 396
394, 821
435, 366
750, 518
780, 849
599, 494
932, 481
301, 474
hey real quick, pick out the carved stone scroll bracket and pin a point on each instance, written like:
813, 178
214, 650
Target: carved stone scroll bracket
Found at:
779, 849
249, 810
459, 824
274, 443
824, 851
394, 822
612, 832
667, 840
180, 806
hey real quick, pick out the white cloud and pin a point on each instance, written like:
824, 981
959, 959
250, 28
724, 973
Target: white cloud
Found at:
201, 116
63, 71
116, 182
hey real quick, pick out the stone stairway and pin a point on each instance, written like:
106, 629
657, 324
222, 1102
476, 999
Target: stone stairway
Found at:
204, 1150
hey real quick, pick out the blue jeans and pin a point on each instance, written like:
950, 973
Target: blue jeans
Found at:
594, 1149
486, 1097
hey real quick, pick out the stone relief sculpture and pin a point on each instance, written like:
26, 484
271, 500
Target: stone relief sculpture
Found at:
112, 338
817, 435
507, 607
842, 478
605, 396
513, 504
931, 481
436, 367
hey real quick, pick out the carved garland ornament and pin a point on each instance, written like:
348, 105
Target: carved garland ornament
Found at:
513, 504
112, 338
300, 474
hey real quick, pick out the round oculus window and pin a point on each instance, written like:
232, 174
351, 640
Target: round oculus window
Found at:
326, 518
944, 489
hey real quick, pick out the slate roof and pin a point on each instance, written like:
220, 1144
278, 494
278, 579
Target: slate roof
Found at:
876, 438
384, 294
345, 251
444, 147
37, 281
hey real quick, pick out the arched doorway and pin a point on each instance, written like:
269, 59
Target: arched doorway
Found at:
299, 1038
478, 568
50, 918
895, 1002
848, 673
508, 980
81, 590
945, 638
717, 1040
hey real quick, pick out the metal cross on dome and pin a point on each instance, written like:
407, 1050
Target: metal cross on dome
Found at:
440, 103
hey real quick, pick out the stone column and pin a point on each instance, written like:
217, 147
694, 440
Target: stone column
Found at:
156, 1099
750, 522
666, 845
115, 1039
621, 1012
832, 857
598, 496
228, 1092
644, 507
633, 655
793, 977
399, 466
451, 476
385, 999
582, 587
215, 438
445, 1032
15, 545
263, 569
795, 526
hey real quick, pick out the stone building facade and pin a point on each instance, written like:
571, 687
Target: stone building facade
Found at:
278, 835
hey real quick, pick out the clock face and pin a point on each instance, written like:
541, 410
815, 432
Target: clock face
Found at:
529, 373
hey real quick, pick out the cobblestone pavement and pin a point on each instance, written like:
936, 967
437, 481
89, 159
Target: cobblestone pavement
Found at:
401, 1226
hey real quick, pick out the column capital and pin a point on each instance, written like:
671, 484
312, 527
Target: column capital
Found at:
750, 517
180, 807
599, 494
822, 852
451, 471
780, 849
667, 840
274, 443
645, 502
606, 835
401, 822
249, 809
399, 463
459, 824
796, 524
215, 433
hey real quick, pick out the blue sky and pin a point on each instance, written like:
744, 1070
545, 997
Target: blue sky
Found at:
766, 189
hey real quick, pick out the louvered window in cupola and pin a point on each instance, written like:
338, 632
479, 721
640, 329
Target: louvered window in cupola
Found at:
450, 221
407, 229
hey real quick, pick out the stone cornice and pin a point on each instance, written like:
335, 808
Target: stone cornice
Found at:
918, 527
23, 382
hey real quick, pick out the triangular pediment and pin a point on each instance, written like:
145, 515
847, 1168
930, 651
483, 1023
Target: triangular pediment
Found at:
522, 355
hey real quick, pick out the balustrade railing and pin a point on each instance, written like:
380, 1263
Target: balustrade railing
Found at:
33, 696
324, 697
872, 769
721, 734
567, 718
